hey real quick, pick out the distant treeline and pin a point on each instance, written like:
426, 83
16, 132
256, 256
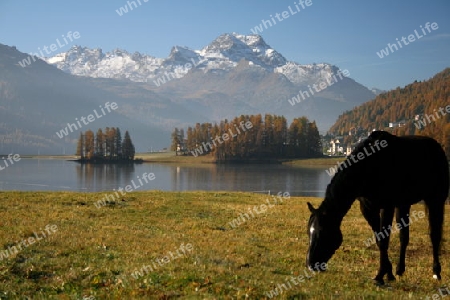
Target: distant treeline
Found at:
105, 146
247, 138
420, 108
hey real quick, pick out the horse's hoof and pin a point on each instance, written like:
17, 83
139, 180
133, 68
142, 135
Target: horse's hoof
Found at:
437, 277
378, 281
390, 277
400, 271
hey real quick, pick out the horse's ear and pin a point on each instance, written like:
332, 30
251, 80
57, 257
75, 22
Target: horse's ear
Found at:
311, 208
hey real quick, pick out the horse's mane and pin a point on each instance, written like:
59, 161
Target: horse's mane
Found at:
341, 175
365, 144
370, 140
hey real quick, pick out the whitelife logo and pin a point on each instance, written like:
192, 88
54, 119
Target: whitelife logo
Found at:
318, 87
411, 38
360, 156
198, 151
178, 73
422, 123
160, 262
111, 199
393, 229
281, 17
91, 118
11, 158
28, 242
53, 47
124, 9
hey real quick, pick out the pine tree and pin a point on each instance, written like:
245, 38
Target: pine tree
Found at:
100, 144
118, 144
313, 141
127, 146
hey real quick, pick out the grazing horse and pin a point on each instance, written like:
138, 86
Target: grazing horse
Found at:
386, 173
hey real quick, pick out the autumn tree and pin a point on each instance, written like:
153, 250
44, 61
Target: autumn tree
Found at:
446, 140
105, 145
80, 146
89, 144
416, 108
110, 143
99, 143
268, 138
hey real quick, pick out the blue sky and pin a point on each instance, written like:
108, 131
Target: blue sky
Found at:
345, 33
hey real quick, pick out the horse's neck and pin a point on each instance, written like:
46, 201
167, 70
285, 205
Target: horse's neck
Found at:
337, 208
340, 195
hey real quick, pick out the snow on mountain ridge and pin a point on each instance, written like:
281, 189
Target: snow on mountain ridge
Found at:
224, 53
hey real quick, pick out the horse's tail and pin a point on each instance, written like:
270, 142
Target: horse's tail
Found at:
445, 173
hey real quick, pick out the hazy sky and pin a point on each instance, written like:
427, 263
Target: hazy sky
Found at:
346, 33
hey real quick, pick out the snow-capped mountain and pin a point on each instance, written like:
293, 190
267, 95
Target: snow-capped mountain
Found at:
223, 54
234, 75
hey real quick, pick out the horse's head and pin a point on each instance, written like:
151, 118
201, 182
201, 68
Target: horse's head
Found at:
325, 238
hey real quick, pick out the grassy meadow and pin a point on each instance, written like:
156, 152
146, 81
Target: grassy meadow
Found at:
94, 251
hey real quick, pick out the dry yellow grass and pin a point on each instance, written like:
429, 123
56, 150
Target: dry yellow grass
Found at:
95, 251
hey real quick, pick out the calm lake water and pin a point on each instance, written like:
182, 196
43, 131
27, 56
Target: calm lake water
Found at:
61, 175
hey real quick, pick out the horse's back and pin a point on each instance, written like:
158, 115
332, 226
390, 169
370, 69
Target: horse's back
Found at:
414, 168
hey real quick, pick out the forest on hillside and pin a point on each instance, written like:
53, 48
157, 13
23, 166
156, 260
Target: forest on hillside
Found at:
419, 108
247, 138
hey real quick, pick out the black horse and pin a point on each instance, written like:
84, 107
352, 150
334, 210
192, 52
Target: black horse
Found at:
385, 173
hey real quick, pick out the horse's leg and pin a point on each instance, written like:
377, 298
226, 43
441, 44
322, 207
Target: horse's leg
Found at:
383, 237
436, 219
402, 213
372, 214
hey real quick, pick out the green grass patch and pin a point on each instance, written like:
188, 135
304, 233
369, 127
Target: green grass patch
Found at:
95, 251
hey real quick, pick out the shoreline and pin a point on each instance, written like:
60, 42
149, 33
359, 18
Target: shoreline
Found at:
171, 158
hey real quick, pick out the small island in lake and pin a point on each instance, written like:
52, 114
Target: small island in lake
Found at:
106, 147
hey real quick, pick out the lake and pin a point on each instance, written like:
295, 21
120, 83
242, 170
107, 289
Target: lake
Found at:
61, 175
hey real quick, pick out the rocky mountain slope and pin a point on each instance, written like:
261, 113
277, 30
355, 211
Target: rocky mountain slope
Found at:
234, 74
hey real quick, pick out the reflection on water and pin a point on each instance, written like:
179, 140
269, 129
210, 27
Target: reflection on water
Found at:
297, 181
94, 177
53, 174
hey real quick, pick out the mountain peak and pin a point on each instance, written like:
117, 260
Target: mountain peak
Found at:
181, 55
234, 47
223, 54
